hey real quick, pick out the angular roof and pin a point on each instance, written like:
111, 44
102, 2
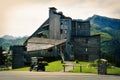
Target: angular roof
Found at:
34, 44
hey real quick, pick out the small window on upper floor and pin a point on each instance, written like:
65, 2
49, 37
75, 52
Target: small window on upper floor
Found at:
86, 40
61, 31
65, 22
50, 50
61, 23
42, 35
65, 31
79, 26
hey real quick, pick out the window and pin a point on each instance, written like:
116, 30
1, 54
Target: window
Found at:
86, 49
61, 31
79, 26
86, 40
65, 31
40, 34
50, 50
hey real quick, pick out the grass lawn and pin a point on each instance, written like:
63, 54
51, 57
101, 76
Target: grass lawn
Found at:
56, 66
88, 69
21, 69
113, 71
84, 69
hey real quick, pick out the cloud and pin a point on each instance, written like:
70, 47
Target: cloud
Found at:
112, 7
19, 15
64, 3
108, 7
19, 10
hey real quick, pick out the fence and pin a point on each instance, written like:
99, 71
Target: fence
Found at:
67, 67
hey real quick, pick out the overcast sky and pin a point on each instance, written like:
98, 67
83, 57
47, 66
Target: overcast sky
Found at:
23, 17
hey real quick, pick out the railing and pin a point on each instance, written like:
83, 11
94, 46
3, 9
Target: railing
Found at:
71, 66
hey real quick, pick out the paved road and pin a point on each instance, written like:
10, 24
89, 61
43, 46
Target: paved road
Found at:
26, 75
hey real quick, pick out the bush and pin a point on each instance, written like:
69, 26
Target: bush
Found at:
8, 61
77, 61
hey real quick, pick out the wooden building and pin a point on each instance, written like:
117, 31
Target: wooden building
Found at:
63, 37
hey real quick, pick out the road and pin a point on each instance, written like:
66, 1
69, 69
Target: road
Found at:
26, 75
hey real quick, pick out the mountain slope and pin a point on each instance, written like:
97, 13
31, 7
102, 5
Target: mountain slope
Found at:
106, 22
106, 25
109, 29
6, 43
8, 37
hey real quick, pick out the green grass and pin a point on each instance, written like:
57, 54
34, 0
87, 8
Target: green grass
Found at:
85, 68
54, 66
21, 69
88, 69
113, 71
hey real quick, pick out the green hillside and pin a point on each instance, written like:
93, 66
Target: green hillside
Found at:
6, 43
110, 37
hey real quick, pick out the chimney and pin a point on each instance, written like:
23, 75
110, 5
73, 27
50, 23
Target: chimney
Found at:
61, 13
52, 10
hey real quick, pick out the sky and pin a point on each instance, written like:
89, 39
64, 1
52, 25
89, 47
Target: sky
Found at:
24, 17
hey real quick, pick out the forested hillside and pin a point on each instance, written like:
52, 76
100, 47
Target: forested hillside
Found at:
110, 37
7, 42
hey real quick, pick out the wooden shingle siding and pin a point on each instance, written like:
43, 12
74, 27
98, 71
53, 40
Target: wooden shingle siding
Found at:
73, 33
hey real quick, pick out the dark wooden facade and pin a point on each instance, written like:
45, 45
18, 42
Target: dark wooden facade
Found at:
78, 44
1, 56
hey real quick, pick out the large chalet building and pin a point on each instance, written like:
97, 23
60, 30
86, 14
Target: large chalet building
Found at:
59, 37
63, 37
